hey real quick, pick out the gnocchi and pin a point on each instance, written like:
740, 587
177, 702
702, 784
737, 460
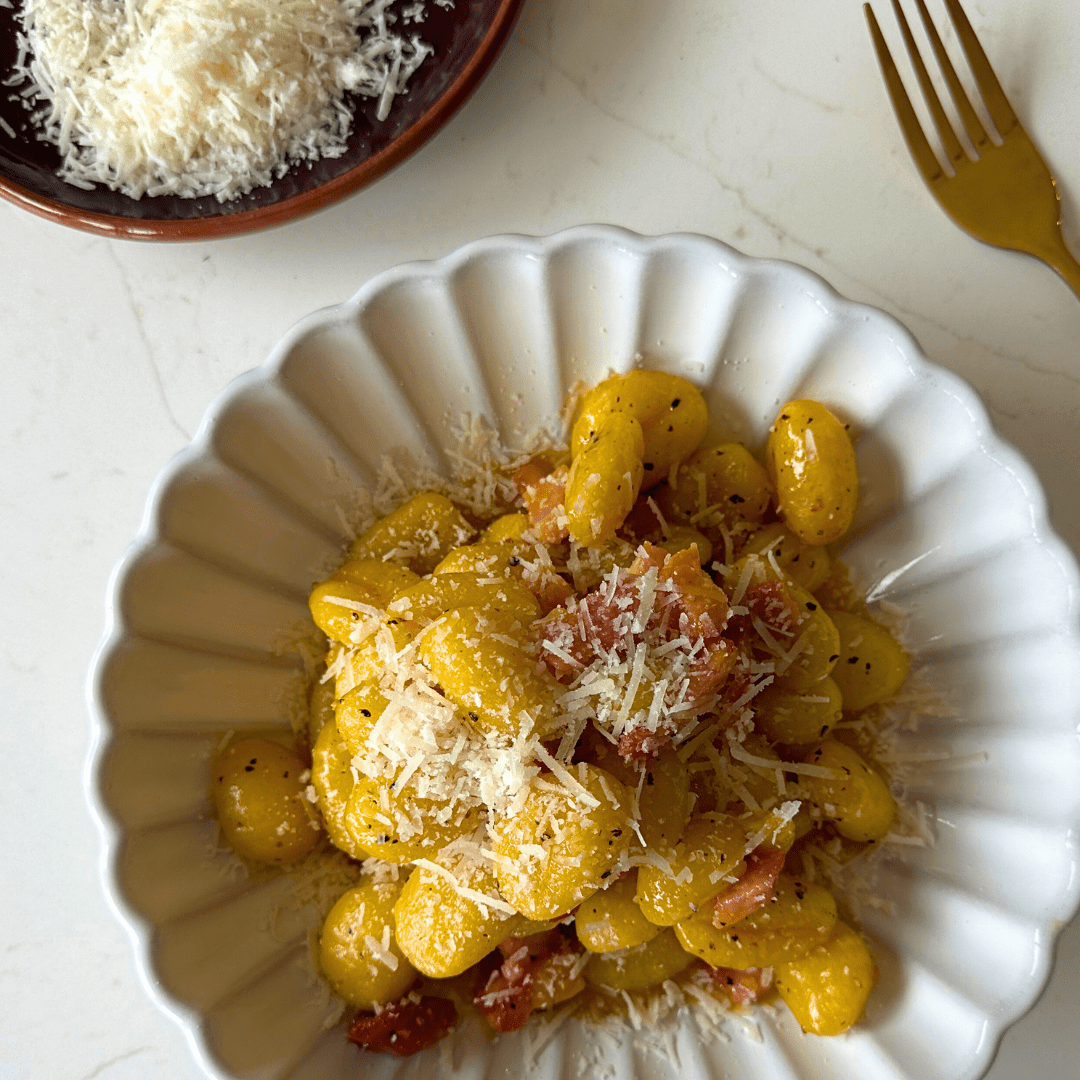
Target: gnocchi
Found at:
612, 920
812, 461
640, 966
871, 667
719, 483
441, 929
258, 793
358, 950
707, 858
856, 797
595, 739
827, 987
604, 479
553, 855
670, 411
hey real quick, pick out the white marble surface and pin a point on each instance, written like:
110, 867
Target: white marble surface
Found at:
762, 122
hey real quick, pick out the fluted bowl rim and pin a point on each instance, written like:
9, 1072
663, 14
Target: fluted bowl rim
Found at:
798, 279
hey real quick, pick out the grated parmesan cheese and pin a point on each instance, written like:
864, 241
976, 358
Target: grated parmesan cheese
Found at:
819, 771
204, 97
576, 789
482, 899
781, 816
381, 951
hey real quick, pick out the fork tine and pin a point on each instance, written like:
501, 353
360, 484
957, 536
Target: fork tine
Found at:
948, 137
968, 115
920, 149
997, 104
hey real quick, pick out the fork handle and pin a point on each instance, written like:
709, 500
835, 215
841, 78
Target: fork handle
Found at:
1061, 259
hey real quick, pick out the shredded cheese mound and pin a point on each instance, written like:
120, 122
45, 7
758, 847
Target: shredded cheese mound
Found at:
427, 746
205, 97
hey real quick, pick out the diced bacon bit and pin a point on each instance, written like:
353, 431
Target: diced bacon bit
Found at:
661, 598
541, 481
743, 987
694, 607
471, 983
712, 671
640, 744
511, 947
593, 626
736, 690
404, 1027
772, 604
649, 557
700, 605
507, 998
537, 946
535, 468
503, 1004
752, 891
549, 589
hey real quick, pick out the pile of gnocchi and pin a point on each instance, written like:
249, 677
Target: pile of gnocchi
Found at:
586, 738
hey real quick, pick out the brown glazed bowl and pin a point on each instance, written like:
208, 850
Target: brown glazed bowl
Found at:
467, 38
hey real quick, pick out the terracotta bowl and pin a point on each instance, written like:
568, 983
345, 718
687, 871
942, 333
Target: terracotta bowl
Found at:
467, 38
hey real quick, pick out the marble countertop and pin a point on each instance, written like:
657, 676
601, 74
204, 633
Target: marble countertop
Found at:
761, 122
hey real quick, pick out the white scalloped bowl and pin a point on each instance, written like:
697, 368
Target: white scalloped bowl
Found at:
952, 525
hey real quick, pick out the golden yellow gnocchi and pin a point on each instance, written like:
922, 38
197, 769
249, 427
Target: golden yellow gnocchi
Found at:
854, 797
604, 479
638, 967
670, 410
507, 529
871, 666
784, 715
813, 462
564, 844
258, 793
594, 741
358, 949
827, 987
332, 780
612, 919
798, 916
419, 605
485, 671
702, 863
389, 821
723, 481
418, 534
804, 564
443, 924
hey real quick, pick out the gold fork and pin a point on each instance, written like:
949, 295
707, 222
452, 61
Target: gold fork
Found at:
1006, 196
